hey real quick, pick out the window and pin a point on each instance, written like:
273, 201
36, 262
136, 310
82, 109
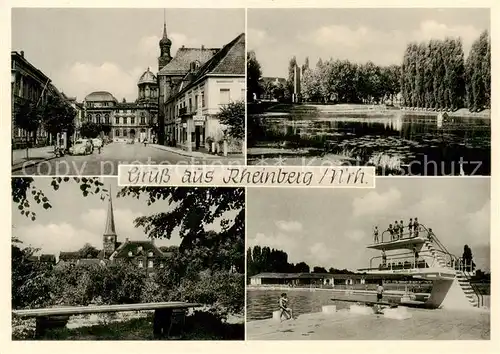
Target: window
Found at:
196, 103
190, 104
224, 96
130, 253
139, 249
143, 119
117, 120
98, 118
117, 132
89, 117
125, 133
150, 254
106, 118
132, 120
203, 99
150, 264
161, 265
140, 264
125, 120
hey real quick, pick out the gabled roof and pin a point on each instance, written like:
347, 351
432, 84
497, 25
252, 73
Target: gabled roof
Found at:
133, 246
180, 63
230, 60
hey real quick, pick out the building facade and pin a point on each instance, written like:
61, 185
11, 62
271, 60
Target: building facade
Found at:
193, 86
29, 85
126, 121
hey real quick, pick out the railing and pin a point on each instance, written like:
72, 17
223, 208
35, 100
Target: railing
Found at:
419, 262
400, 236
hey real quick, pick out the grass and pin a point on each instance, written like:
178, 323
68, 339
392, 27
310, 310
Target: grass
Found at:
197, 327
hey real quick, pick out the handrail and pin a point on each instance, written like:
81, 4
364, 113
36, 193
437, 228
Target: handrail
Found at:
414, 263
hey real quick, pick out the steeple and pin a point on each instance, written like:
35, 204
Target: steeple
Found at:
110, 219
109, 237
165, 44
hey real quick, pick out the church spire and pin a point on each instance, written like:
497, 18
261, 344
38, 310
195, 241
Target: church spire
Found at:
110, 219
164, 24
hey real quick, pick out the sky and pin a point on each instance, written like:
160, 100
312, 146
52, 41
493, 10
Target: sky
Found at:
75, 220
359, 35
85, 50
332, 227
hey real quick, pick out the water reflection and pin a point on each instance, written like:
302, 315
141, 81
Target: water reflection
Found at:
426, 144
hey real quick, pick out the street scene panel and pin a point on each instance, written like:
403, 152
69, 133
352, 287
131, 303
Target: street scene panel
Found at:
404, 90
404, 261
149, 86
93, 261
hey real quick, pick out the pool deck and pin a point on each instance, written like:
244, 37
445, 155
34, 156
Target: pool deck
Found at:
424, 325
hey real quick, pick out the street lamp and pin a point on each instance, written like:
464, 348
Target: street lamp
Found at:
12, 86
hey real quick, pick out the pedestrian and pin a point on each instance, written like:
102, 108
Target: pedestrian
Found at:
380, 291
284, 309
384, 259
99, 149
401, 229
410, 227
396, 230
416, 227
389, 229
430, 234
375, 234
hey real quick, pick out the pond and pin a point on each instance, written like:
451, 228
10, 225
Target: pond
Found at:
394, 142
262, 303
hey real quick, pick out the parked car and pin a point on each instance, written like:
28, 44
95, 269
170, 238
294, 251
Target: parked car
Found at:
97, 143
81, 147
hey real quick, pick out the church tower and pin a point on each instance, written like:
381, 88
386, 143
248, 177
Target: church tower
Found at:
165, 44
109, 236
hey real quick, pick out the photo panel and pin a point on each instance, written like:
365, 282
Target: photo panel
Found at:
168, 87
94, 261
408, 260
405, 90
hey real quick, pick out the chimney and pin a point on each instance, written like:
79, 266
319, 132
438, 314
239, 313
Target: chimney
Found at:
182, 46
22, 53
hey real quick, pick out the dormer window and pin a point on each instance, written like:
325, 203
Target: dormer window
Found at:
195, 65
150, 254
130, 253
139, 249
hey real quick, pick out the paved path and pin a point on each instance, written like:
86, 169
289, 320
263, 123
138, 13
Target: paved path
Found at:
113, 154
424, 325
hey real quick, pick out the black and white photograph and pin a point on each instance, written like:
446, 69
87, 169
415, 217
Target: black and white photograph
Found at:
94, 88
406, 90
93, 261
409, 260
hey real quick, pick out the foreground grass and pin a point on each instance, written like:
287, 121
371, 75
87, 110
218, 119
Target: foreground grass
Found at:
196, 328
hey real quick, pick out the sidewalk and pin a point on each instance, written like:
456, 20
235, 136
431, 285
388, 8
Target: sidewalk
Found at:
36, 155
194, 154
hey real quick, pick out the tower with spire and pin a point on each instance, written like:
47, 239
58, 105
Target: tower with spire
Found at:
165, 44
109, 236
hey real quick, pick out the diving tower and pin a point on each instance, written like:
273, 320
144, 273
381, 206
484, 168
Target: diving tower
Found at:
421, 255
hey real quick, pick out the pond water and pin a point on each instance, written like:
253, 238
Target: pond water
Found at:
410, 144
262, 303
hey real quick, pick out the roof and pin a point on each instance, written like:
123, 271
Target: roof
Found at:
133, 246
20, 57
180, 63
147, 78
127, 105
230, 60
324, 275
65, 256
100, 96
90, 261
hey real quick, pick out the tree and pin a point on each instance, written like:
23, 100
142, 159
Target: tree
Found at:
254, 74
319, 270
291, 76
90, 130
478, 73
88, 251
58, 116
467, 259
193, 209
29, 118
232, 116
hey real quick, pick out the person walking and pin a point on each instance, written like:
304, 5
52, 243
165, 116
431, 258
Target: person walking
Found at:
380, 291
284, 309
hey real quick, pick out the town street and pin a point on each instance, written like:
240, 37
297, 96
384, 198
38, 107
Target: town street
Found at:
114, 154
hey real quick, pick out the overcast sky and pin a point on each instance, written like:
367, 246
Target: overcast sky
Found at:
332, 227
75, 220
360, 35
85, 50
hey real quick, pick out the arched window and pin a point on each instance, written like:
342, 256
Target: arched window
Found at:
89, 117
117, 132
117, 120
98, 118
106, 118
143, 118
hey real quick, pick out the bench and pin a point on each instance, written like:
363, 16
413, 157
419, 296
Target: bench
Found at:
166, 315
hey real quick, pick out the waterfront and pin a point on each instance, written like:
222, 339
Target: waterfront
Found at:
396, 142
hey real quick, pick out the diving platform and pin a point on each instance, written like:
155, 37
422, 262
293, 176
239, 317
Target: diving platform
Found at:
419, 254
399, 243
